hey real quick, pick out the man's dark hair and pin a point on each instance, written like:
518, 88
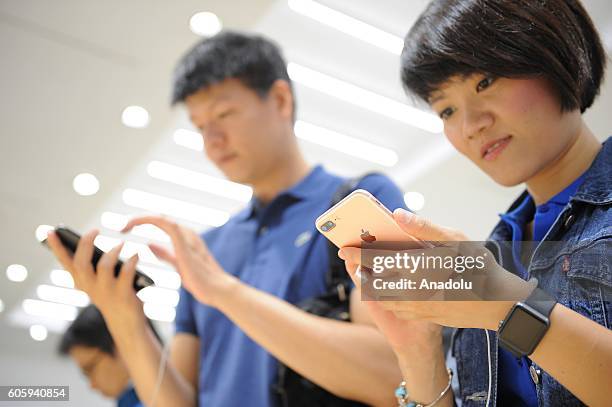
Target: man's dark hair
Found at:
89, 329
551, 39
254, 60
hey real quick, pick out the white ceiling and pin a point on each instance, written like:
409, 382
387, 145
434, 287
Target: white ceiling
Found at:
69, 67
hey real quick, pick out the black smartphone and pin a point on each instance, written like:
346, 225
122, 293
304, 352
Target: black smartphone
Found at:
70, 240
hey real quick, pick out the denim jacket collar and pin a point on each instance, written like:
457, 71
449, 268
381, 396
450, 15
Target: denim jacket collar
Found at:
596, 186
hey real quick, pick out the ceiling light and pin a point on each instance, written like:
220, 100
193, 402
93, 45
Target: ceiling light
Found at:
16, 273
199, 181
42, 231
136, 117
62, 278
415, 201
345, 144
348, 25
85, 184
424, 160
51, 310
62, 295
159, 312
113, 221
189, 139
173, 207
205, 24
365, 99
164, 278
38, 332
158, 295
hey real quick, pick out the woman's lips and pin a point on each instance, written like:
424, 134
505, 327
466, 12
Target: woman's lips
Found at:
492, 150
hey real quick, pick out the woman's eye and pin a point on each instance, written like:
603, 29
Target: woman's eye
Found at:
485, 83
446, 113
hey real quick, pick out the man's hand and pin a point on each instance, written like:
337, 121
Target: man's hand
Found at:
201, 275
114, 296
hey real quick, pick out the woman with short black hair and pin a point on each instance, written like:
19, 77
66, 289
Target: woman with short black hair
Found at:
510, 80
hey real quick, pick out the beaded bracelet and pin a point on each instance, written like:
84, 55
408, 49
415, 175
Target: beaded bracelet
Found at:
401, 393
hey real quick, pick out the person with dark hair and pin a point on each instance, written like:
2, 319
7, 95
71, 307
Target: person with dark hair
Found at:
510, 80
237, 315
88, 342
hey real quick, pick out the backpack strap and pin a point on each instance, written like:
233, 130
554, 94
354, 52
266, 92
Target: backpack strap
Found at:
337, 279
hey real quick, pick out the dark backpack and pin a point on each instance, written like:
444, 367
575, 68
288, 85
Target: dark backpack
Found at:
292, 389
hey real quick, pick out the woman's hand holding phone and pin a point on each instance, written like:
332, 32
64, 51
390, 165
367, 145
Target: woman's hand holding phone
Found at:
460, 314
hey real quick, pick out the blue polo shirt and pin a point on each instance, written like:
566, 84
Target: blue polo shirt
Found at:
129, 398
275, 249
514, 381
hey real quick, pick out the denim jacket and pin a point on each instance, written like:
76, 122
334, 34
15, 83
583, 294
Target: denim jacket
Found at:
577, 272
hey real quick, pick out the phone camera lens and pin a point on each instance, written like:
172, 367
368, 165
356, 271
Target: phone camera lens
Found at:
327, 226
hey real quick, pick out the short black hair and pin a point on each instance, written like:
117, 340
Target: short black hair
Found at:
254, 60
89, 329
551, 39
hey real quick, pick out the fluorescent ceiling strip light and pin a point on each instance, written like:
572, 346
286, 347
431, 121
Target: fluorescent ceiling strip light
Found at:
62, 295
158, 295
347, 92
113, 221
50, 310
116, 221
189, 139
345, 144
173, 207
164, 278
62, 278
197, 180
425, 159
348, 25
159, 312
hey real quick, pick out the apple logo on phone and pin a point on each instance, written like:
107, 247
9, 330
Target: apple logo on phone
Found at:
367, 237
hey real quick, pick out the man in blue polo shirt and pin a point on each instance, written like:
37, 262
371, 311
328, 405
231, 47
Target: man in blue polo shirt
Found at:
236, 316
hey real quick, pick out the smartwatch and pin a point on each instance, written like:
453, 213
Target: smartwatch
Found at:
526, 323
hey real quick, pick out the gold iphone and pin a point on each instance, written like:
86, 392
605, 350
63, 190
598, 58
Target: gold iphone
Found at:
360, 217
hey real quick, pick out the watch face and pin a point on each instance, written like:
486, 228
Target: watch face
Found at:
523, 330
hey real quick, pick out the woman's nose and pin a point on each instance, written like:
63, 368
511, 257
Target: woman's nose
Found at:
475, 121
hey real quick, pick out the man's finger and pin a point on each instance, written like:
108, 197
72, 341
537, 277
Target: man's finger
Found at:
171, 228
161, 222
163, 254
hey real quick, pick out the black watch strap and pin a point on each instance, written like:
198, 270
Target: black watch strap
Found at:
541, 302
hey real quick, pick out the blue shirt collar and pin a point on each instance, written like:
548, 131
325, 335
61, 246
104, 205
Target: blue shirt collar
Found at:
129, 398
524, 211
307, 187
